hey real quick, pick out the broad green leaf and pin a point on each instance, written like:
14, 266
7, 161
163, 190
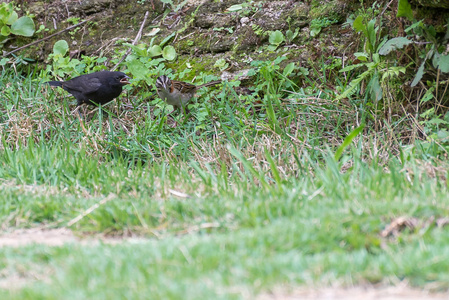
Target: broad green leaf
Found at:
443, 134
348, 141
169, 53
276, 38
138, 69
289, 69
140, 49
393, 44
375, 88
371, 34
362, 56
443, 63
155, 51
5, 30
315, 31
405, 10
4, 61
236, 7
60, 47
436, 59
358, 24
12, 18
436, 121
289, 34
23, 26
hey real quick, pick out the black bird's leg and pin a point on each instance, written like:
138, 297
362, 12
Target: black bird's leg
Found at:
78, 107
80, 118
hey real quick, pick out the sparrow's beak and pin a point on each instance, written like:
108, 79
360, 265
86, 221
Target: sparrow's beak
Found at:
124, 80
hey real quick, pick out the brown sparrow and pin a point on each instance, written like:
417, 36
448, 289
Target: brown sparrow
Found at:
178, 93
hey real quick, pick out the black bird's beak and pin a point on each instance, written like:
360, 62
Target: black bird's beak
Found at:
124, 80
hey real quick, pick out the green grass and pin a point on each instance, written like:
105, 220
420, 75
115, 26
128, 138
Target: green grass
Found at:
268, 205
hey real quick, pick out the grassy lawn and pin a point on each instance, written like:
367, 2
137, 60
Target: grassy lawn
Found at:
234, 201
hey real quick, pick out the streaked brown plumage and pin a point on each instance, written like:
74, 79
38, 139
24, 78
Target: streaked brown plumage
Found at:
178, 93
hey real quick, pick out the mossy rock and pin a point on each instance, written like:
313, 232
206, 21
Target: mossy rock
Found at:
332, 10
247, 39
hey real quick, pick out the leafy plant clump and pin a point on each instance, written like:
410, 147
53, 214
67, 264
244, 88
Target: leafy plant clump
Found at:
11, 24
385, 70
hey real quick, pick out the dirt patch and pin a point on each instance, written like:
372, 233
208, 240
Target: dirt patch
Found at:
23, 237
54, 237
354, 293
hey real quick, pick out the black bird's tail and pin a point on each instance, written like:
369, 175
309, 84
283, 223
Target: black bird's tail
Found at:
54, 83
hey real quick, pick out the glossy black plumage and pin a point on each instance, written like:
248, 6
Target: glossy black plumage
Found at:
94, 88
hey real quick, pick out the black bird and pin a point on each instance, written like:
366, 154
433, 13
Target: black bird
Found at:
94, 88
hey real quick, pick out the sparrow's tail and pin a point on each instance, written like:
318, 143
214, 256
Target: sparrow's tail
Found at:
54, 83
209, 83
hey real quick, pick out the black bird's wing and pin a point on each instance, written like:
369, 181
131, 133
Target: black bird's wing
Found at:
82, 85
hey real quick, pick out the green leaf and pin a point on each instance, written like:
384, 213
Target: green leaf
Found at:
289, 69
358, 24
138, 69
276, 38
371, 34
419, 74
375, 88
221, 64
5, 30
405, 10
303, 71
443, 134
140, 49
60, 47
393, 44
353, 85
314, 31
12, 18
414, 25
428, 95
274, 169
362, 56
23, 26
169, 53
443, 63
352, 67
289, 35
348, 141
236, 7
167, 39
153, 32
4, 61
155, 50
